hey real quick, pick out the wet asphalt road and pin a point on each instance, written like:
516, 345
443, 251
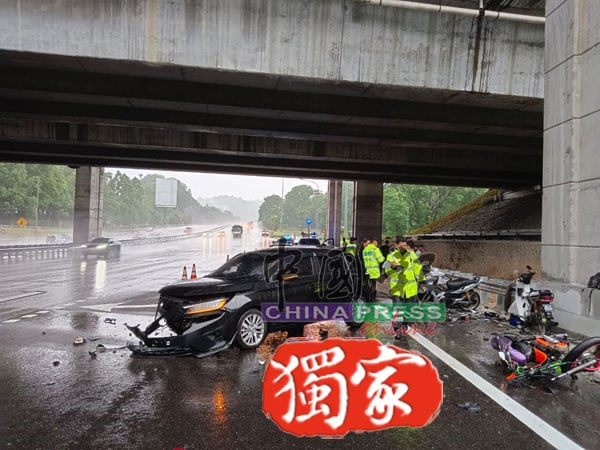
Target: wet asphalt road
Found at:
56, 396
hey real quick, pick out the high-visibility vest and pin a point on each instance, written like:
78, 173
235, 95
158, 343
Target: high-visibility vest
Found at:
372, 258
351, 248
419, 275
403, 283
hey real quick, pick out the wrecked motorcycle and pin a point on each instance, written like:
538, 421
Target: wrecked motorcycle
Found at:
546, 358
530, 307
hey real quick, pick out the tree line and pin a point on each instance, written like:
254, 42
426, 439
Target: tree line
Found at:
406, 207
128, 202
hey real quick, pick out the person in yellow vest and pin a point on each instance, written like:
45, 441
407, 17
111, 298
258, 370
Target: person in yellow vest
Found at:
352, 247
401, 271
419, 275
372, 259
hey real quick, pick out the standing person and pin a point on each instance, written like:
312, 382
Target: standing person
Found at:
372, 258
414, 255
385, 247
352, 247
403, 282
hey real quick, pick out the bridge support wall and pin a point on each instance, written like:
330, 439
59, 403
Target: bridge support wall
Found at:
88, 204
571, 178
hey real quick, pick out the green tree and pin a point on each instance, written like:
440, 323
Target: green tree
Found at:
297, 206
269, 212
407, 207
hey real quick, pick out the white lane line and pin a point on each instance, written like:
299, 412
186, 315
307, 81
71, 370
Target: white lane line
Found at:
134, 306
28, 316
68, 304
43, 312
526, 417
15, 297
11, 321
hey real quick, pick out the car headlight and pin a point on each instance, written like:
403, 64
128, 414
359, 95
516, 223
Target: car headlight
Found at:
205, 307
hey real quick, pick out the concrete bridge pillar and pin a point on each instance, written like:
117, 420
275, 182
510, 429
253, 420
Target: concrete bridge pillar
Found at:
87, 222
571, 178
368, 207
334, 211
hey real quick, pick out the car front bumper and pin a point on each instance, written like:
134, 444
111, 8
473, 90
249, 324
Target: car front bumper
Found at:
201, 339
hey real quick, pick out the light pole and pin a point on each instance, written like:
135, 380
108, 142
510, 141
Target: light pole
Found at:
37, 202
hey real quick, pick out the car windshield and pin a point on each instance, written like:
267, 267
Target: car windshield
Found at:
100, 240
241, 266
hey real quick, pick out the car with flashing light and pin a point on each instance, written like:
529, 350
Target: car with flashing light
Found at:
223, 308
104, 247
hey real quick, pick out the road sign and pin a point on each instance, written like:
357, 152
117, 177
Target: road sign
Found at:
308, 221
22, 222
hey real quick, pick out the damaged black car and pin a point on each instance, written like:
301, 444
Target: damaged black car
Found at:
211, 313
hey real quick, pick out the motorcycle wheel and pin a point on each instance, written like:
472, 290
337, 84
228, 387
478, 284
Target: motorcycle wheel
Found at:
251, 330
542, 324
585, 352
473, 303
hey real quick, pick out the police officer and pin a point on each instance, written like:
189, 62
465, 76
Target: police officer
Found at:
352, 247
372, 259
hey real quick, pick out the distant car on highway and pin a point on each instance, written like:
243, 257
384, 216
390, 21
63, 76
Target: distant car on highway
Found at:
56, 239
265, 234
102, 247
188, 230
237, 231
309, 241
224, 307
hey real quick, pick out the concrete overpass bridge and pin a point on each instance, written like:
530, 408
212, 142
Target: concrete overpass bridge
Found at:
379, 91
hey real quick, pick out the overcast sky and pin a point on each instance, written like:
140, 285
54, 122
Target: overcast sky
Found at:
208, 185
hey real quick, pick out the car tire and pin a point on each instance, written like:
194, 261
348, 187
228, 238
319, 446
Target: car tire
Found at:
251, 330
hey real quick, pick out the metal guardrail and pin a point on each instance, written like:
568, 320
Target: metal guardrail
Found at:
26, 253
530, 235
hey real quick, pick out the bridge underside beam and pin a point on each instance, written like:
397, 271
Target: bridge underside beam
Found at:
84, 111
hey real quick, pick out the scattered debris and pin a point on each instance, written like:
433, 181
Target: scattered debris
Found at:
55, 363
43, 332
267, 348
101, 348
110, 320
79, 340
471, 407
94, 339
93, 354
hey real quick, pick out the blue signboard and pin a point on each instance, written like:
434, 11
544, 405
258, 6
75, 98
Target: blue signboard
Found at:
308, 221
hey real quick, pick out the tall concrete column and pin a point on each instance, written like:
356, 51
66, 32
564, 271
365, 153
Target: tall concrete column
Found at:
368, 209
88, 204
571, 179
334, 211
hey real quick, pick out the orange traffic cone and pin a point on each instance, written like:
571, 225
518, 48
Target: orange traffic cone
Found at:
193, 275
184, 275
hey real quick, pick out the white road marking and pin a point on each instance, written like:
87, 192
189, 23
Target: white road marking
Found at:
526, 417
106, 307
23, 295
135, 306
43, 312
11, 321
28, 316
68, 304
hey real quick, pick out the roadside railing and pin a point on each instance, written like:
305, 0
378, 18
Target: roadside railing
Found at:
35, 252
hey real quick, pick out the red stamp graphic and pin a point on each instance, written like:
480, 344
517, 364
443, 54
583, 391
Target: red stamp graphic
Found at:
331, 387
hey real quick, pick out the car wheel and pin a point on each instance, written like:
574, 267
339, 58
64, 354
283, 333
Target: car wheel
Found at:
251, 330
